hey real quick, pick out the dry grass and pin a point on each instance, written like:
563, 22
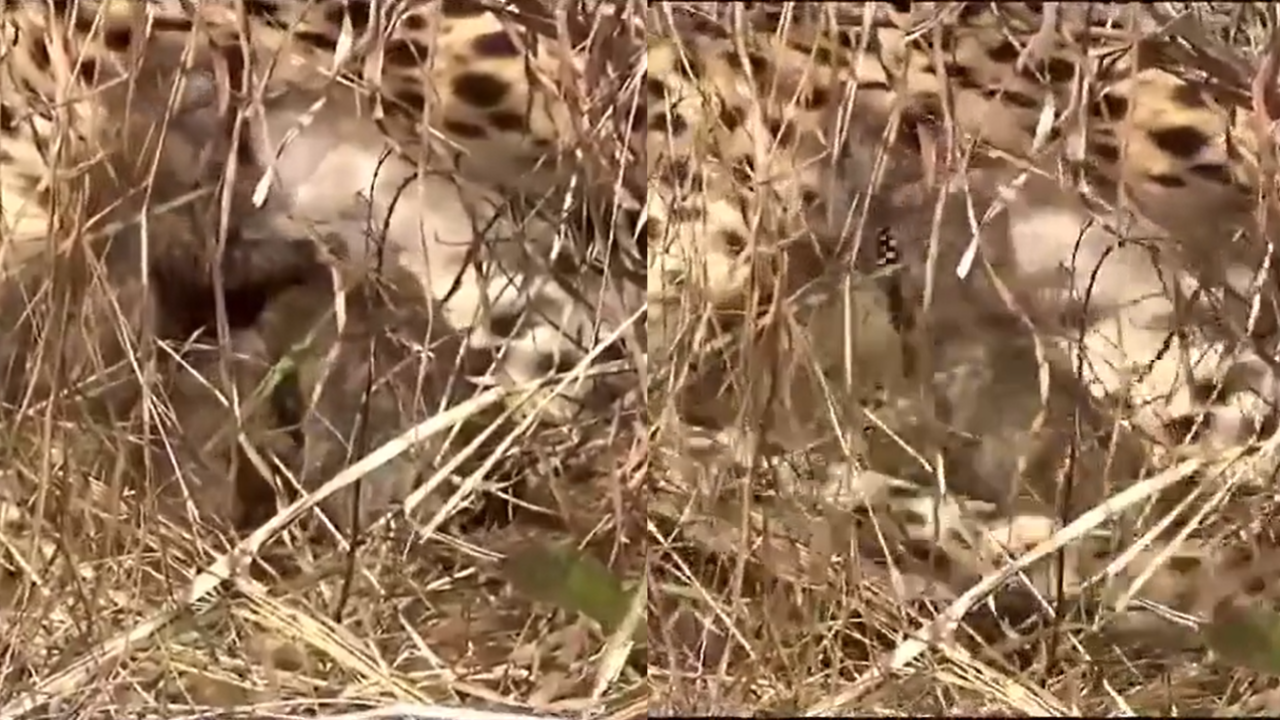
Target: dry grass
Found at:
107, 607
767, 595
405, 617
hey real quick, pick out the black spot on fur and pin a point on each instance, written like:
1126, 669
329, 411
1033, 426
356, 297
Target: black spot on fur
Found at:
508, 121
732, 117
88, 71
411, 98
679, 126
1060, 70
414, 22
734, 241
263, 9
759, 63
691, 66
675, 124
1106, 152
1168, 181
873, 86
709, 28
1213, 173
784, 132
1110, 106
1021, 100
8, 118
405, 53
505, 324
1005, 52
639, 123
461, 8
317, 39
466, 130
1183, 141
360, 13
497, 44
816, 99
962, 76
1186, 94
652, 229
335, 15
40, 56
479, 89
117, 39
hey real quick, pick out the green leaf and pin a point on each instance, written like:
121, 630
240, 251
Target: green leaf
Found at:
574, 581
1247, 637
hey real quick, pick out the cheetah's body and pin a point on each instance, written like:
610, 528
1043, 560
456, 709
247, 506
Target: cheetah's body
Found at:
766, 125
423, 123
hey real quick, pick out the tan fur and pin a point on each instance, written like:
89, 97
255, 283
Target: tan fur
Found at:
87, 97
740, 150
765, 126
488, 86
140, 166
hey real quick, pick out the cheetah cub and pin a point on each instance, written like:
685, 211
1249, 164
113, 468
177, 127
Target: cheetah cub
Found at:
361, 377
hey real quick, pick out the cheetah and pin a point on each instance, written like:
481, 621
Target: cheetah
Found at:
1103, 179
192, 464
84, 179
312, 397
431, 117
1186, 152
360, 383
80, 326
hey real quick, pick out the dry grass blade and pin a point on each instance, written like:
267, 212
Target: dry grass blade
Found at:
431, 712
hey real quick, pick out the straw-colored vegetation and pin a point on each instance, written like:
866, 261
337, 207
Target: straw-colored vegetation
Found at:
881, 489
162, 548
